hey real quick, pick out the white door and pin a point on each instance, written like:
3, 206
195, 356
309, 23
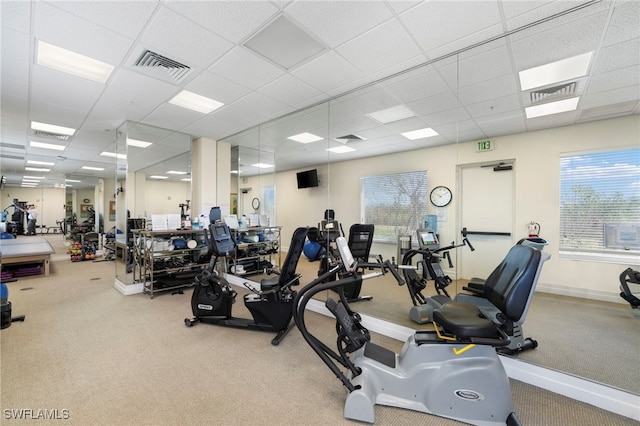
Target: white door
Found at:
486, 195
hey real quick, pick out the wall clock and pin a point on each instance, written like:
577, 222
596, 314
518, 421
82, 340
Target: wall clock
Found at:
86, 200
255, 203
440, 196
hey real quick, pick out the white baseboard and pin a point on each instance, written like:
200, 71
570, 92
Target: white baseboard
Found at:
584, 293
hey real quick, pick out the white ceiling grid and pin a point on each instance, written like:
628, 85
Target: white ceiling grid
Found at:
463, 97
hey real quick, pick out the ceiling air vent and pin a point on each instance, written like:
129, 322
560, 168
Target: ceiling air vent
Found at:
11, 145
543, 95
11, 157
348, 139
50, 135
175, 69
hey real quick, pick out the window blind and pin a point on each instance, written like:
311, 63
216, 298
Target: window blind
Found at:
600, 201
396, 203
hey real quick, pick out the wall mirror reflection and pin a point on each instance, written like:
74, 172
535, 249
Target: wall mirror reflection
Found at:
482, 140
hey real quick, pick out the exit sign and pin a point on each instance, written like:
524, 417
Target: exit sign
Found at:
485, 145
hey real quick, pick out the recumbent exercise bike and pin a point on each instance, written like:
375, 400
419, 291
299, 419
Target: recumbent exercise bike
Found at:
452, 371
271, 307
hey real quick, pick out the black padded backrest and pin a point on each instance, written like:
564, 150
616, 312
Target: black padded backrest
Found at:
360, 240
288, 270
509, 285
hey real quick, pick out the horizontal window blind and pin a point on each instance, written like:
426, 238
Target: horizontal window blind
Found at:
600, 201
395, 203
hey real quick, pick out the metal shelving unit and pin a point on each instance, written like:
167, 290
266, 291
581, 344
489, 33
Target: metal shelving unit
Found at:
257, 248
161, 266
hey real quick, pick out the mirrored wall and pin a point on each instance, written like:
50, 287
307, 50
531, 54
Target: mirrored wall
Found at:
437, 89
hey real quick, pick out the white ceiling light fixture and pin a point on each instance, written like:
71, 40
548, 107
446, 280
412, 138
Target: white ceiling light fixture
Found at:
73, 63
195, 102
47, 145
93, 168
555, 72
549, 108
73, 180
32, 177
113, 155
389, 115
305, 137
52, 128
186, 179
40, 163
176, 172
158, 177
427, 132
138, 143
340, 149
262, 165
37, 169
284, 43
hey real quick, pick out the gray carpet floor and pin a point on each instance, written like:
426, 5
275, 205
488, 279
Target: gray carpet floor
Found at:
100, 358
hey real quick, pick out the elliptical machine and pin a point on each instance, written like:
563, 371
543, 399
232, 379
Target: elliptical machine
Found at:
432, 253
271, 307
630, 276
452, 371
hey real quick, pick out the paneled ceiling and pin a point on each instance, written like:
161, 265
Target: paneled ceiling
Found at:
361, 47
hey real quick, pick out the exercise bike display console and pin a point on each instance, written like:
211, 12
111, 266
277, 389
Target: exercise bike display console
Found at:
271, 306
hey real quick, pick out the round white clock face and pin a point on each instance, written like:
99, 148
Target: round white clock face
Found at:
255, 203
440, 196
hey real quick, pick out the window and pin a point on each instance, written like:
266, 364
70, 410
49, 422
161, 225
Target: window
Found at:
396, 204
600, 203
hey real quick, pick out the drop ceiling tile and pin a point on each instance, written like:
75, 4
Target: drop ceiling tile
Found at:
455, 115
262, 105
222, 123
16, 15
289, 90
488, 90
495, 106
189, 44
327, 72
559, 42
246, 69
624, 24
622, 94
418, 86
434, 104
128, 19
68, 31
617, 56
436, 24
336, 22
233, 20
68, 91
215, 87
507, 123
625, 77
380, 48
168, 116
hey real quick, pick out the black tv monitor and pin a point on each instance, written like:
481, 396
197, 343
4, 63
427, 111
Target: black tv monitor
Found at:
308, 179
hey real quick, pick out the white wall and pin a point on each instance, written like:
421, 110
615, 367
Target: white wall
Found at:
537, 172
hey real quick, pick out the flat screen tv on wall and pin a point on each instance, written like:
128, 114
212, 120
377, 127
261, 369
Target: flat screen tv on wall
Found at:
308, 179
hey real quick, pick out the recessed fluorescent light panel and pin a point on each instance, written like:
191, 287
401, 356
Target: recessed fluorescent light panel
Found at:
69, 62
32, 177
340, 149
389, 115
186, 179
555, 72
176, 172
138, 144
93, 168
72, 180
420, 133
37, 169
113, 155
52, 128
158, 177
262, 165
47, 146
552, 107
195, 102
305, 138
40, 163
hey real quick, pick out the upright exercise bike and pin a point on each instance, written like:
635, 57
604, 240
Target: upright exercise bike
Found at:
452, 371
432, 253
271, 307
